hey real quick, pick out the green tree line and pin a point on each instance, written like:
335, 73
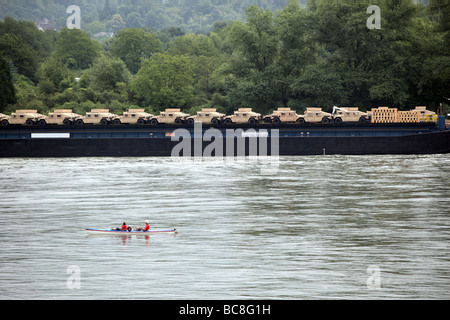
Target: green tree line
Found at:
319, 55
113, 15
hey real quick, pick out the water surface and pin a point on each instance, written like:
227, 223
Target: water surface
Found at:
309, 230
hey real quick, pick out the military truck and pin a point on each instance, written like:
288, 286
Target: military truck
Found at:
28, 117
135, 116
61, 116
207, 115
98, 116
282, 115
349, 115
314, 115
170, 116
243, 115
4, 119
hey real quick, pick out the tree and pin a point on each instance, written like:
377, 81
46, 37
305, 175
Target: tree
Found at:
204, 58
192, 45
23, 45
372, 63
107, 12
116, 23
52, 70
251, 74
76, 49
165, 81
107, 73
257, 40
7, 90
298, 51
133, 45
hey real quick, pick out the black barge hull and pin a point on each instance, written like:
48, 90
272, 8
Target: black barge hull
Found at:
141, 141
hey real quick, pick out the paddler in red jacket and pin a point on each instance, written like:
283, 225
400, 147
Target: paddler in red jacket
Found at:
146, 228
124, 227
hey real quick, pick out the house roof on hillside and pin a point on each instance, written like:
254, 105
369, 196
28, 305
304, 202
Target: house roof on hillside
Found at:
44, 24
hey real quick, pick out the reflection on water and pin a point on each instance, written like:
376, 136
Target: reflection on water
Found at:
315, 228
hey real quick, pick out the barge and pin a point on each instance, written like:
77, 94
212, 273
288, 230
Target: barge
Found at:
224, 139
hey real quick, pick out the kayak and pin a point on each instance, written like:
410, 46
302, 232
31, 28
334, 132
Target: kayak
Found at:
119, 232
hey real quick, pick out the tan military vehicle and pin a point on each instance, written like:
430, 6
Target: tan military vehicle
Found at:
98, 116
314, 115
135, 116
28, 117
243, 115
207, 115
61, 116
4, 119
169, 116
349, 115
282, 115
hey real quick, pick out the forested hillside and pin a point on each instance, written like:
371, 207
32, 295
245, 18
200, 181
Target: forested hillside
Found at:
320, 55
112, 15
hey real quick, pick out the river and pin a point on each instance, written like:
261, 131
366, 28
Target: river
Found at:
316, 227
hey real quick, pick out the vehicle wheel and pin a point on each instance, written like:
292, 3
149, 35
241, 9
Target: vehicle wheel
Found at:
190, 121
140, 121
116, 121
362, 120
5, 122
154, 122
29, 122
267, 120
42, 122
276, 120
104, 122
67, 122
215, 121
337, 120
251, 121
301, 121
227, 121
178, 121
79, 122
325, 120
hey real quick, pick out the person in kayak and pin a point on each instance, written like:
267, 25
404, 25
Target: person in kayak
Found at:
123, 228
146, 228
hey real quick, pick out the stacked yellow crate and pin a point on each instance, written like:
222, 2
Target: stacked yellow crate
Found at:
392, 115
408, 116
384, 115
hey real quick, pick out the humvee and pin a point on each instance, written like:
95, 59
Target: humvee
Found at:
169, 116
207, 115
243, 115
28, 117
135, 116
282, 115
98, 116
61, 116
4, 119
349, 115
315, 115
